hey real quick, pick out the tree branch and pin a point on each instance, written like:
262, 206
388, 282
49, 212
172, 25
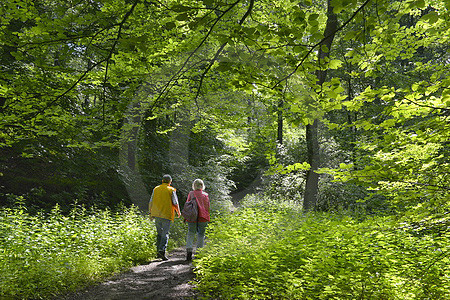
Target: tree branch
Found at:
166, 87
247, 13
427, 106
69, 89
111, 51
321, 42
91, 67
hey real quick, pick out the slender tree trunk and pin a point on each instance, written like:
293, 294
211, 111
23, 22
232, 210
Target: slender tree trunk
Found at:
280, 122
312, 130
312, 178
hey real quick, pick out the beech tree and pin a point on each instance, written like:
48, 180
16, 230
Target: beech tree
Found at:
77, 71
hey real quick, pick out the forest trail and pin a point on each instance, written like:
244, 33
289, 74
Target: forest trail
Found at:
252, 188
156, 280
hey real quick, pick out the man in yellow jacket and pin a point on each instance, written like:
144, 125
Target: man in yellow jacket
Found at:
163, 205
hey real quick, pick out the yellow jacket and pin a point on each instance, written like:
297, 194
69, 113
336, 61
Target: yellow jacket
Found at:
164, 202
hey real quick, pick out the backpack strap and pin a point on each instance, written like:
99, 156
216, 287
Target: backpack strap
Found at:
198, 209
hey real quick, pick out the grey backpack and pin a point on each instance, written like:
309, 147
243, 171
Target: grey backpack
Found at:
190, 210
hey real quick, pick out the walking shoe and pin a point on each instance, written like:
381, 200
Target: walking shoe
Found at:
189, 255
162, 255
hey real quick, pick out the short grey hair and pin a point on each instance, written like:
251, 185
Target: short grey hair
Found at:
198, 185
167, 178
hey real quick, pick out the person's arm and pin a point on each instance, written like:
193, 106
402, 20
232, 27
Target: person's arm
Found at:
188, 197
207, 203
175, 203
174, 198
150, 203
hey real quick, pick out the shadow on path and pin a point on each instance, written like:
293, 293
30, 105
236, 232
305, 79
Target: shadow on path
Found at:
156, 280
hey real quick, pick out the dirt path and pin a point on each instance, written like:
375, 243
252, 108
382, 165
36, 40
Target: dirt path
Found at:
157, 280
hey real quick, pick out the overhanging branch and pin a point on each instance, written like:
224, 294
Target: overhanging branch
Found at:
211, 63
320, 43
167, 86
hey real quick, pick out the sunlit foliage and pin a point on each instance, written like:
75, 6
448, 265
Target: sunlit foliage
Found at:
270, 250
47, 254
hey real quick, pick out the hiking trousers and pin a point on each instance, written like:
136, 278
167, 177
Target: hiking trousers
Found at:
162, 237
199, 229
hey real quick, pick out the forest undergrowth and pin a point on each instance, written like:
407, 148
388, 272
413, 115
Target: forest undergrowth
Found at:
46, 254
271, 250
266, 249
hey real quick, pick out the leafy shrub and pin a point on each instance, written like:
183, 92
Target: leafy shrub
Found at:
285, 186
270, 250
46, 254
350, 198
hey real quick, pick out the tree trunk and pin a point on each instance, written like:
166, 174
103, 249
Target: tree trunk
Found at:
312, 135
280, 122
312, 178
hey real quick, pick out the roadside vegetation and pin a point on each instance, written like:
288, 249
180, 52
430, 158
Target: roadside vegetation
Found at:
271, 250
46, 254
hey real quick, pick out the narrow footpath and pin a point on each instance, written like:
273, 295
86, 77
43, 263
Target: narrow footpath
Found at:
167, 280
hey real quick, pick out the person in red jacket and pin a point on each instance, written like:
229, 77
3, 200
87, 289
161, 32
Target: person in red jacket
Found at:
163, 205
198, 227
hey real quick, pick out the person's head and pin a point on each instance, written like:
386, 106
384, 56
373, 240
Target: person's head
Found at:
167, 179
198, 185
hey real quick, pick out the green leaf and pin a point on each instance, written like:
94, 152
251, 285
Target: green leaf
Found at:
316, 37
182, 17
313, 17
446, 94
299, 49
335, 64
180, 8
170, 25
208, 3
431, 17
417, 4
345, 166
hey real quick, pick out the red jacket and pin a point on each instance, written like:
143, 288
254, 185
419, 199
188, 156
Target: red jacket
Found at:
203, 204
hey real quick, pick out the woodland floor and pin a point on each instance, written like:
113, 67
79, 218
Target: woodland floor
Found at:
156, 280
